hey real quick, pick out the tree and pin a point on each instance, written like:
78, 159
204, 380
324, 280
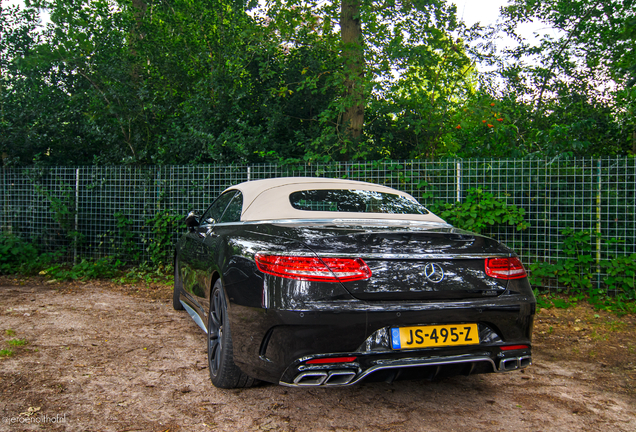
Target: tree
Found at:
198, 81
385, 49
38, 121
153, 82
582, 70
353, 61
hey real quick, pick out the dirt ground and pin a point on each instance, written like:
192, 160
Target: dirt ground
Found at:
101, 357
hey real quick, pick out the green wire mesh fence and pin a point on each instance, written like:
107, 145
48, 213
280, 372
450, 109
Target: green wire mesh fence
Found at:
95, 212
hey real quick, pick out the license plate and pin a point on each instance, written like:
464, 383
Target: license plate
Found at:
434, 336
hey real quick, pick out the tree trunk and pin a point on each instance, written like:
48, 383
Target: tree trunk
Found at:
353, 59
139, 10
136, 37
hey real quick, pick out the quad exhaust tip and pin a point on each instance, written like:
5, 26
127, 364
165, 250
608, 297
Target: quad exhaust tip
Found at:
317, 378
514, 363
342, 377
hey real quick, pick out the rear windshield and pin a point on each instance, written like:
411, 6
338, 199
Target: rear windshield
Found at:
356, 201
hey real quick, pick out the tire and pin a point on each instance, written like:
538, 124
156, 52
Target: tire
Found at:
178, 287
223, 372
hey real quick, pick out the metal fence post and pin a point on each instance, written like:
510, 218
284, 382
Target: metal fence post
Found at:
598, 223
5, 202
459, 181
77, 176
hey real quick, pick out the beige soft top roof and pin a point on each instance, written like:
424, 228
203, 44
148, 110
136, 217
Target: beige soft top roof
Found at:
269, 199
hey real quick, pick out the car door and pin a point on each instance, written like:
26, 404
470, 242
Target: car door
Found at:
198, 254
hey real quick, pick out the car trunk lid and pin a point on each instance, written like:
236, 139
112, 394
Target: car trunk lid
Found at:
429, 265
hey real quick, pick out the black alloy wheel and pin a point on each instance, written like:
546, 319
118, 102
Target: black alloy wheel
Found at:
216, 318
178, 287
223, 372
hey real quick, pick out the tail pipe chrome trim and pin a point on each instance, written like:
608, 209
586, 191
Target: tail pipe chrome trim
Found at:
349, 376
327, 378
513, 363
525, 361
310, 378
340, 377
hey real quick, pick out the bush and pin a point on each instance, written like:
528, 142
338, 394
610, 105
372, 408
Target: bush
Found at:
102, 268
19, 256
480, 210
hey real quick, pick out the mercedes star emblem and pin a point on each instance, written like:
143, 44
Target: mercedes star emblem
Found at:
434, 272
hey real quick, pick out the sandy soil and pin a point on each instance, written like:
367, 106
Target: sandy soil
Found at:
100, 357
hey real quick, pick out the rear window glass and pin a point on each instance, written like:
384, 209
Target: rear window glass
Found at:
356, 201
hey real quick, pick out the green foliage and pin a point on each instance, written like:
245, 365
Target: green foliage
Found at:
17, 342
618, 304
578, 271
571, 78
620, 274
480, 210
210, 82
146, 273
6, 353
489, 127
20, 257
598, 33
203, 81
123, 239
14, 254
164, 227
63, 211
102, 268
574, 271
550, 300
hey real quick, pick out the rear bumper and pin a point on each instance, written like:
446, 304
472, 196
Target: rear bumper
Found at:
274, 345
385, 369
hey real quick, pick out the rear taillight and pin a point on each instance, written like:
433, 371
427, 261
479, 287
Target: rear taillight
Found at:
313, 268
505, 268
332, 360
513, 347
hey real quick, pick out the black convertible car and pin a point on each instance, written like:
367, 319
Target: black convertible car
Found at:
326, 282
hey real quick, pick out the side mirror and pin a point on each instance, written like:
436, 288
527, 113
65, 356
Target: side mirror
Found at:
192, 220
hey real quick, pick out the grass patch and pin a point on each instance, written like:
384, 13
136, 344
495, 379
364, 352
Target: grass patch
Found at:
619, 305
9, 332
6, 353
147, 274
617, 326
17, 342
102, 268
597, 337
